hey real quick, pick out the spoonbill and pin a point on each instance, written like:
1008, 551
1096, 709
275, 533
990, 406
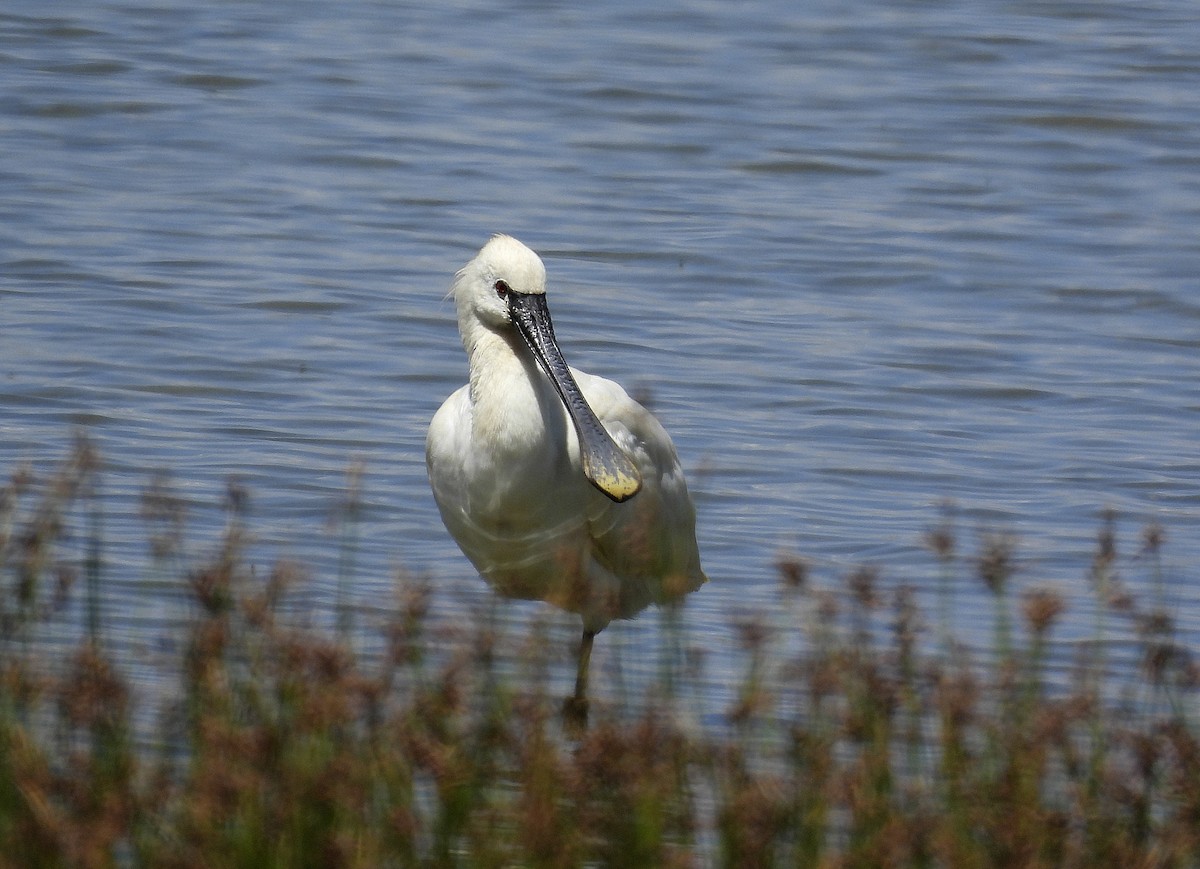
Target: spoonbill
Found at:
554, 483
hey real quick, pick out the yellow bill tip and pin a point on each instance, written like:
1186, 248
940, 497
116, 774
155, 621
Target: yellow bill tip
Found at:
619, 486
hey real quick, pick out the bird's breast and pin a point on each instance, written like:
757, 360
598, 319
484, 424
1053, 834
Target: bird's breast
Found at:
520, 453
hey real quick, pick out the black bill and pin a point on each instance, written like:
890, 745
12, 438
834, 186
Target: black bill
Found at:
604, 463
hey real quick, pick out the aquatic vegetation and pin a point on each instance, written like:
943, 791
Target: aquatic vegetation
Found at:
876, 740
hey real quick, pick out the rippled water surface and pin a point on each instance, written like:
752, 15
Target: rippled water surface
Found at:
862, 259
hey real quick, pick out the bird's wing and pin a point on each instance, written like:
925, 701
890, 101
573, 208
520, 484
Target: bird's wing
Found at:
652, 536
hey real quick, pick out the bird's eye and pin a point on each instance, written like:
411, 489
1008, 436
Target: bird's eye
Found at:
502, 289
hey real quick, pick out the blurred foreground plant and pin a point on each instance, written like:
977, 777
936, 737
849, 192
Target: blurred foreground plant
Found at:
853, 739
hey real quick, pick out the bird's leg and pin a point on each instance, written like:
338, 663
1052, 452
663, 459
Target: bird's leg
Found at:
575, 709
585, 655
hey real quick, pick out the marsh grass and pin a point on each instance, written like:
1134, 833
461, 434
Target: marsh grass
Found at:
879, 742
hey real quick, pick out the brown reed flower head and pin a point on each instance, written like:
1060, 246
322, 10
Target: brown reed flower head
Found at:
65, 577
643, 394
827, 607
755, 814
415, 594
996, 562
1159, 658
824, 677
793, 571
1156, 623
752, 632
85, 456
907, 621
694, 658
166, 512
941, 538
1106, 540
237, 496
22, 477
1161, 655
1042, 607
957, 697
93, 692
1152, 538
212, 587
1117, 597
1189, 676
404, 631
864, 584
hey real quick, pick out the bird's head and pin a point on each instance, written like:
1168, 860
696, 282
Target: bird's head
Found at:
504, 269
503, 289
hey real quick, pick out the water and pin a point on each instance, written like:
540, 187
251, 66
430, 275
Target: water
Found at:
863, 259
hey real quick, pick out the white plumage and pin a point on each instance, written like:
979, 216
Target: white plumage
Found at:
555, 483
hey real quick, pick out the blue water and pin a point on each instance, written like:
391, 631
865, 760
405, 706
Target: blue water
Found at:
863, 259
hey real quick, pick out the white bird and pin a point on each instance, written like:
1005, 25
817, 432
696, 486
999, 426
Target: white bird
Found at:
555, 483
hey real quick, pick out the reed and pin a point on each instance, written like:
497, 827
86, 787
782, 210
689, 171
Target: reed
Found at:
872, 741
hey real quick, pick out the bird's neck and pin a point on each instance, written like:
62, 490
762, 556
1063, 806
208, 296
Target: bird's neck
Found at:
514, 404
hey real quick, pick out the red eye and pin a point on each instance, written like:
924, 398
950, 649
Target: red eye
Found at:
502, 289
